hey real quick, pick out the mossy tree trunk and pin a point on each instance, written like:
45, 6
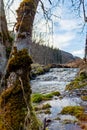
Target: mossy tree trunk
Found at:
15, 102
16, 109
25, 18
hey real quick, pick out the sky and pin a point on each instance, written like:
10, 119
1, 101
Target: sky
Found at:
63, 31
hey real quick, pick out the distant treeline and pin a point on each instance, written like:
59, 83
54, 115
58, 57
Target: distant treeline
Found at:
45, 55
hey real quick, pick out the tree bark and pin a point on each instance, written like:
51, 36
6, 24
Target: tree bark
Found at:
4, 38
26, 14
19, 114
4, 34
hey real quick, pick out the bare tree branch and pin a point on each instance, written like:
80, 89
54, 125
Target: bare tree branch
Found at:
9, 3
50, 2
84, 12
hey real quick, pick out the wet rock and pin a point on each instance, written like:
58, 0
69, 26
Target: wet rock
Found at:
83, 72
57, 118
48, 121
67, 121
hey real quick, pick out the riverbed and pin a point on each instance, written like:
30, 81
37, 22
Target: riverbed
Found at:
56, 80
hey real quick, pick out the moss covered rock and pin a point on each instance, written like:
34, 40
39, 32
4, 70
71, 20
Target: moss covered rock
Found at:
79, 82
77, 111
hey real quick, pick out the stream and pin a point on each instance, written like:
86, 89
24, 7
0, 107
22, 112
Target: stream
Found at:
56, 80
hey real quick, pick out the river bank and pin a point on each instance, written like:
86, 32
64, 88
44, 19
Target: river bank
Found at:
56, 80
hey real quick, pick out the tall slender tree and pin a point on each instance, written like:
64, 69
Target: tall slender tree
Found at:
4, 38
4, 34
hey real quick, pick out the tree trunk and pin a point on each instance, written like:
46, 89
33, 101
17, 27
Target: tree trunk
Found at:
4, 34
26, 14
16, 107
4, 38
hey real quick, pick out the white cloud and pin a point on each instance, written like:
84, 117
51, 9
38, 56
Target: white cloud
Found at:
63, 40
78, 52
68, 24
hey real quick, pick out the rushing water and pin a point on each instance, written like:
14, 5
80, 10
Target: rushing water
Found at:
56, 80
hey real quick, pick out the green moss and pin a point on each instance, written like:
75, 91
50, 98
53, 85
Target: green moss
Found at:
57, 118
45, 106
48, 96
39, 70
12, 102
72, 110
8, 51
20, 60
35, 123
47, 111
13, 108
29, 7
36, 98
67, 121
56, 93
78, 82
11, 39
77, 111
84, 98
